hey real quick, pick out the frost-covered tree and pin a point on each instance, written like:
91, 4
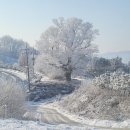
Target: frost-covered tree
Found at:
11, 46
66, 46
98, 65
116, 63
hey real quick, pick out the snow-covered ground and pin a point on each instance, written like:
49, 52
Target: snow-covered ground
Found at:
19, 74
12, 124
94, 123
29, 125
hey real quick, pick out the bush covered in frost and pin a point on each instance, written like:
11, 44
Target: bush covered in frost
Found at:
119, 81
12, 99
101, 98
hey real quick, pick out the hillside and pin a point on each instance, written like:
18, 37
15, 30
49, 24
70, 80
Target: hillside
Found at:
106, 98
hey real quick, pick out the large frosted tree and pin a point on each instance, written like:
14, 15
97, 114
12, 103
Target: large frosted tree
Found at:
66, 46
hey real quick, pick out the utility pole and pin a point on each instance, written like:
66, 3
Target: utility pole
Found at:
28, 74
26, 52
33, 59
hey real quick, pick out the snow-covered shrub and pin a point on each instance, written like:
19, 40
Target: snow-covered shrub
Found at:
93, 101
12, 99
116, 81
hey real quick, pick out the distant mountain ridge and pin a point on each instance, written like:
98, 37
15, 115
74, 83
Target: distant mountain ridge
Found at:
125, 55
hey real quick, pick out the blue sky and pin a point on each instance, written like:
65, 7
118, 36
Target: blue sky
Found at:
27, 19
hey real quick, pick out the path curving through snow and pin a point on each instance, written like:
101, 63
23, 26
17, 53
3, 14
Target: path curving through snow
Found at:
16, 73
50, 116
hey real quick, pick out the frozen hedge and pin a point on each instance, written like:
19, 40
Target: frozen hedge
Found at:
12, 100
118, 81
106, 97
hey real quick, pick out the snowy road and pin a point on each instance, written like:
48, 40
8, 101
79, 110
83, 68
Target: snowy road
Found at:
16, 73
50, 116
